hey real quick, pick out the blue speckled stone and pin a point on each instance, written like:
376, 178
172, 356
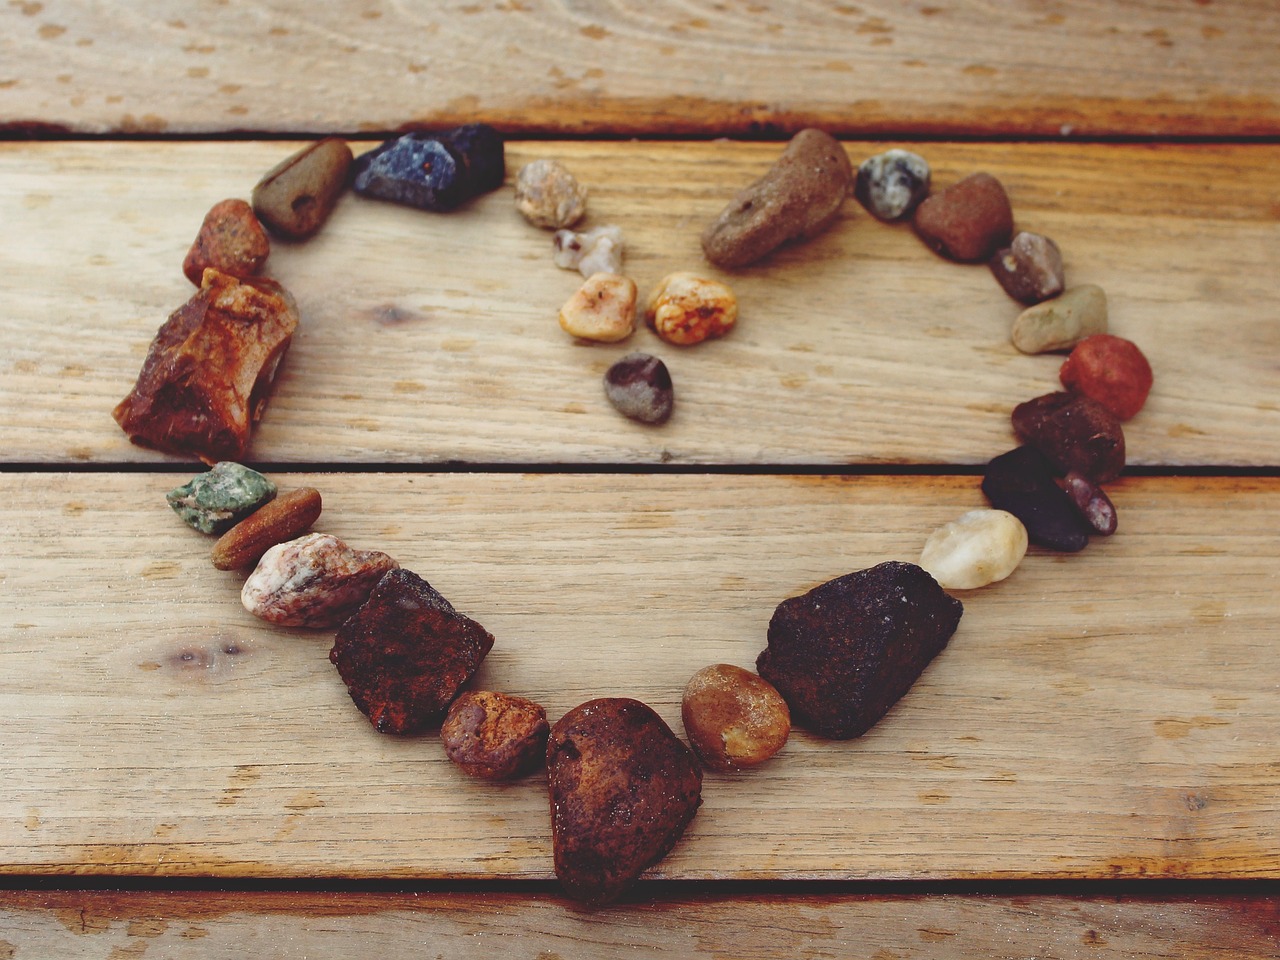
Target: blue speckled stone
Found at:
433, 171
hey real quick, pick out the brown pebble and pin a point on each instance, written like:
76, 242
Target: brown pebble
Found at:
967, 221
287, 517
733, 718
495, 736
295, 197
1029, 269
230, 240
1074, 433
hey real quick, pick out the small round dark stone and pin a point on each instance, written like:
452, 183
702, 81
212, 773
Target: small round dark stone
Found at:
639, 386
1021, 482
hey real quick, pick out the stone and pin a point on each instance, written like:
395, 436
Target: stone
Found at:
798, 198
968, 220
734, 719
231, 240
599, 250
406, 654
685, 308
1061, 323
1110, 370
215, 501
1093, 503
285, 518
892, 184
314, 581
295, 197
842, 654
1021, 482
639, 386
978, 548
603, 309
208, 373
548, 195
622, 790
1030, 268
495, 736
1074, 433
433, 171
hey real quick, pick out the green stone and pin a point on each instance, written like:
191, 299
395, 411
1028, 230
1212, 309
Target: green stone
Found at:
216, 501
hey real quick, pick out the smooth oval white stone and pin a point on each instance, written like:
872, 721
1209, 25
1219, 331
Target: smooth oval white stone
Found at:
978, 548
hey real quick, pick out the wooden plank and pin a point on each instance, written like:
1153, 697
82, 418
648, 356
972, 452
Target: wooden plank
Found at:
430, 338
938, 927
1109, 714
1145, 67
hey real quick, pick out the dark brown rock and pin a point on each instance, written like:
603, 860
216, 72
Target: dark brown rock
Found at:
842, 654
295, 197
230, 240
1074, 433
406, 654
967, 221
495, 736
1022, 482
1030, 268
622, 789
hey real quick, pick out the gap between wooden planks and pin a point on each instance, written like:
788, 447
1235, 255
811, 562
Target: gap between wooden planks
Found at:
1107, 714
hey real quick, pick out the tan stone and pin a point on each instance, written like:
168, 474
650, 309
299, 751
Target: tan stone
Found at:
1061, 323
603, 309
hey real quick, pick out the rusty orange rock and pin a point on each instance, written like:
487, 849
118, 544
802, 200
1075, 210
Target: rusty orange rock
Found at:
230, 240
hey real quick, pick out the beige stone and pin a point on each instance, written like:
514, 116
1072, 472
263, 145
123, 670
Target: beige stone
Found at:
603, 309
978, 548
1061, 323
685, 308
548, 195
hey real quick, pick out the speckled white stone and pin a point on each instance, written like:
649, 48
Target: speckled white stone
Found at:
891, 184
599, 250
548, 195
314, 581
978, 548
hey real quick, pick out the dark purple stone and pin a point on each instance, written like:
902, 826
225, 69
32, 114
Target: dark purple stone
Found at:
1022, 482
1093, 503
639, 386
433, 171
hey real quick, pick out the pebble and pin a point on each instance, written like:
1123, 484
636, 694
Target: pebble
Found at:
207, 376
1093, 503
433, 171
639, 386
1061, 323
733, 718
215, 501
797, 199
977, 548
685, 308
1074, 433
842, 654
1021, 482
603, 309
549, 196
892, 184
287, 517
296, 196
1110, 370
230, 240
495, 736
968, 221
599, 250
314, 581
406, 654
622, 789
1030, 268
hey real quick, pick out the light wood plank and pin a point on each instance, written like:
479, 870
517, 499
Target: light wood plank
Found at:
1093, 67
285, 926
1109, 714
430, 338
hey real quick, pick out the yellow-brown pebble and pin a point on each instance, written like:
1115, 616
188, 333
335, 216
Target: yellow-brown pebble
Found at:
685, 308
289, 516
734, 719
603, 309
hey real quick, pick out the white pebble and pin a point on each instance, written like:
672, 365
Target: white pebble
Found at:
599, 250
979, 548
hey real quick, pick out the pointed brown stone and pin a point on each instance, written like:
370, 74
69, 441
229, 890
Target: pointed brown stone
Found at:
231, 240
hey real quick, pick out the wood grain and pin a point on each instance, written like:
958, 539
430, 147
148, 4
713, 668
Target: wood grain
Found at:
286, 926
1109, 714
876, 67
429, 338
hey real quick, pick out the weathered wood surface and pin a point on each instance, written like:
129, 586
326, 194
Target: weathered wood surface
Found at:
1109, 714
878, 66
430, 338
102, 924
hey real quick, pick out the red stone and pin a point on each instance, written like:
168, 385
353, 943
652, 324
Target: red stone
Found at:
967, 221
1111, 371
230, 240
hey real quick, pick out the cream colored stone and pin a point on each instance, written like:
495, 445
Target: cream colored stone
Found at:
978, 548
685, 308
1061, 323
599, 250
603, 309
547, 195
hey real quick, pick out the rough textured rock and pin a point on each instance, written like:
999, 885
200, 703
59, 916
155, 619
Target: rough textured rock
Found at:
622, 789
1030, 268
1110, 370
892, 184
208, 373
1021, 482
977, 548
548, 195
685, 308
295, 197
1093, 503
495, 736
598, 250
230, 240
285, 518
433, 171
639, 386
797, 199
733, 718
603, 309
218, 499
1061, 323
406, 654
314, 581
1074, 433
846, 651
967, 221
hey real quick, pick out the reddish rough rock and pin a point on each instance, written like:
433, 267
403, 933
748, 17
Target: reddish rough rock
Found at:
230, 240
967, 221
1074, 433
208, 374
1110, 370
495, 736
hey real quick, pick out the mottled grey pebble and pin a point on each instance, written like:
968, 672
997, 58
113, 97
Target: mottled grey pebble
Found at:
639, 386
891, 184
215, 501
